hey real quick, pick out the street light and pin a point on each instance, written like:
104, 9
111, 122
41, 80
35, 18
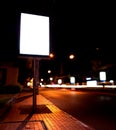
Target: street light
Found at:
72, 78
51, 55
71, 56
49, 71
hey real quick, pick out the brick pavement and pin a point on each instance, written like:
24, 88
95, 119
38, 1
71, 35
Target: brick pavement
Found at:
46, 117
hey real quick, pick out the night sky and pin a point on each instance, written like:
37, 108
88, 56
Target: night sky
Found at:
73, 24
75, 27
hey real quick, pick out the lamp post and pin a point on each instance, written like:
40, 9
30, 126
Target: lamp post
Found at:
72, 78
71, 57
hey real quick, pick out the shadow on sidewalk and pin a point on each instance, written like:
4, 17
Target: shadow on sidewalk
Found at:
40, 109
27, 120
27, 123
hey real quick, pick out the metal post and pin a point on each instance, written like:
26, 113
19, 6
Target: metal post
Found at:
37, 76
34, 86
35, 81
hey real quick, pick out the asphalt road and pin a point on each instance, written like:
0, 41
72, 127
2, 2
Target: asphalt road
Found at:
95, 109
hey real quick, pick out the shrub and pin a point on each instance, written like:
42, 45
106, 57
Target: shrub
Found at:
11, 88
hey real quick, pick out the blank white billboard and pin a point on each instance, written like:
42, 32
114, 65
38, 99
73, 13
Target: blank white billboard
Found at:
34, 35
102, 76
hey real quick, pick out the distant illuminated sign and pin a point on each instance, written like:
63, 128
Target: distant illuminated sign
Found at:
72, 80
102, 76
92, 83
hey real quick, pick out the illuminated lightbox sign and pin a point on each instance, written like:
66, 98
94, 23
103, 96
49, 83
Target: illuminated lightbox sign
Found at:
102, 76
72, 80
34, 35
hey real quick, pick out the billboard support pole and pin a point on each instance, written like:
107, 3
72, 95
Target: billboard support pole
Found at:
35, 85
36, 81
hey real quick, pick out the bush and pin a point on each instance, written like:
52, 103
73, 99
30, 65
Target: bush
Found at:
11, 89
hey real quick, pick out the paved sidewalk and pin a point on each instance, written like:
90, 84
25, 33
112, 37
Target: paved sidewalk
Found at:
46, 117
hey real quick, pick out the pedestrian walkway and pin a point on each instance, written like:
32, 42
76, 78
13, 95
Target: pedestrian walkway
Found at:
47, 116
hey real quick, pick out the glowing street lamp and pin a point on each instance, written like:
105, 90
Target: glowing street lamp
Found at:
42, 80
51, 78
71, 56
49, 71
60, 81
51, 55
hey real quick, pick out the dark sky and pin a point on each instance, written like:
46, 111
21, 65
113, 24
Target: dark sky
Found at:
76, 27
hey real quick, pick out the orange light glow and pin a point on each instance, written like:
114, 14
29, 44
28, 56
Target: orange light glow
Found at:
71, 56
51, 55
